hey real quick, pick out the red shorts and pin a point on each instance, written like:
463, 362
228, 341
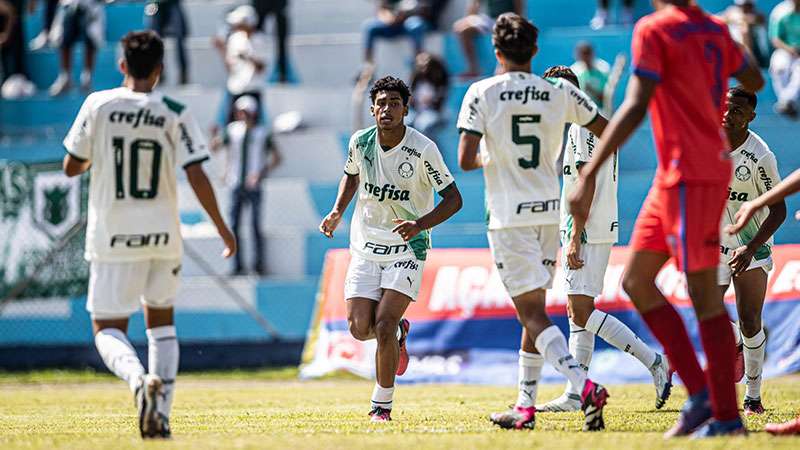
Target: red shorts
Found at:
683, 221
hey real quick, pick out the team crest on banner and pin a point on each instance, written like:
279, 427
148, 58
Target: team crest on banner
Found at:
56, 203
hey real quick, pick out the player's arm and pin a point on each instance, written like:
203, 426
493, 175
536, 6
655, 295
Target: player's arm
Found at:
744, 254
749, 76
348, 186
622, 125
468, 156
782, 190
74, 166
205, 195
450, 204
574, 246
519, 7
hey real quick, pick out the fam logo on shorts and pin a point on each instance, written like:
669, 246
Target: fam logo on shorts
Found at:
406, 170
742, 173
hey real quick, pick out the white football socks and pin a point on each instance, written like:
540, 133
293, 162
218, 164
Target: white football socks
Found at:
616, 333
754, 348
382, 397
581, 346
553, 346
163, 356
119, 356
530, 370
737, 333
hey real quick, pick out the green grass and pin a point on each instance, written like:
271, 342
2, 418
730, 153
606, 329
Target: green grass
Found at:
267, 409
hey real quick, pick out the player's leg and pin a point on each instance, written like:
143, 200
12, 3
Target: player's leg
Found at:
751, 288
362, 291
237, 197
361, 317
416, 27
724, 278
467, 31
255, 217
163, 279
523, 413
388, 315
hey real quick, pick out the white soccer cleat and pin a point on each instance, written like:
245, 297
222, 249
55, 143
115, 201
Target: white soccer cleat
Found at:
565, 403
147, 404
662, 379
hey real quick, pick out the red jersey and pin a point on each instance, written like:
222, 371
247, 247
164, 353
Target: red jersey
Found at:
691, 55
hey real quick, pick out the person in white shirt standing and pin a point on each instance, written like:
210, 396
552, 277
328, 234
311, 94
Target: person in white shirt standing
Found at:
250, 155
395, 170
585, 256
517, 119
245, 57
132, 141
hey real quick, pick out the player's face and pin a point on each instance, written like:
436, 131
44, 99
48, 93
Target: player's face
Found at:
388, 110
738, 114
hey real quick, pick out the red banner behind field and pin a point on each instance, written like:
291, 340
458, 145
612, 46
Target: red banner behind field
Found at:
463, 283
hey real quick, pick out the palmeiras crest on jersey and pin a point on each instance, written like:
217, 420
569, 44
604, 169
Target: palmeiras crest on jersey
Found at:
406, 170
742, 173
56, 203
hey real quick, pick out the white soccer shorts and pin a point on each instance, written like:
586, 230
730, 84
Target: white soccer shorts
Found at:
525, 257
725, 274
588, 280
367, 279
116, 289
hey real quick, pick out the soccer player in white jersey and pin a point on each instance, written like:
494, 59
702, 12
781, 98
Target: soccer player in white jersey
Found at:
746, 257
132, 141
394, 169
517, 119
585, 256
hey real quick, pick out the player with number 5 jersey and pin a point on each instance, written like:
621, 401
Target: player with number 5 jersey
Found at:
517, 120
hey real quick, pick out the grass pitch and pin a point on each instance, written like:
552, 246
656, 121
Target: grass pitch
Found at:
268, 409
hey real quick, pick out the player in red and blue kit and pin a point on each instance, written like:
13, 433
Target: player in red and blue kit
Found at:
682, 59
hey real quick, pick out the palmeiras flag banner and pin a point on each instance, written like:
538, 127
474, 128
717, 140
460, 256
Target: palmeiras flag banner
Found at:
464, 329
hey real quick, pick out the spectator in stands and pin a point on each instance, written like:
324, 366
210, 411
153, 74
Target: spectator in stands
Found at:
748, 26
245, 55
278, 8
476, 23
600, 19
41, 39
166, 17
396, 18
429, 84
12, 52
785, 62
250, 155
8, 20
76, 19
592, 72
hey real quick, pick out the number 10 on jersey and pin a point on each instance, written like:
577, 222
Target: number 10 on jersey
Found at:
517, 120
138, 149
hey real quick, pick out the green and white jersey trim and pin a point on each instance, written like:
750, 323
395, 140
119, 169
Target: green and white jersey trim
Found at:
397, 183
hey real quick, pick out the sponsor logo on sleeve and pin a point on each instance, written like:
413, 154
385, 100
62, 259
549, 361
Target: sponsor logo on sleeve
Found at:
766, 179
435, 174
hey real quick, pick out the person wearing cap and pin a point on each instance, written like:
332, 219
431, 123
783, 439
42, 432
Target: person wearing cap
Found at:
249, 156
748, 26
244, 53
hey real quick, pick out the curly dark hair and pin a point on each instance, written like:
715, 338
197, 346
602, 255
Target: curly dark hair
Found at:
144, 52
515, 37
562, 72
738, 91
390, 83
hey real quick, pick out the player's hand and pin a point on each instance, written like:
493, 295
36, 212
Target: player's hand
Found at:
580, 201
407, 229
329, 223
574, 261
230, 242
741, 218
741, 259
252, 181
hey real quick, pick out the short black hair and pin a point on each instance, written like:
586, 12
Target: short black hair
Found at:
738, 91
390, 83
563, 72
144, 52
515, 37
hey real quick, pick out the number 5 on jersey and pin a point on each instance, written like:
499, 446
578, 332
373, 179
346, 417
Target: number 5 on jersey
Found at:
517, 120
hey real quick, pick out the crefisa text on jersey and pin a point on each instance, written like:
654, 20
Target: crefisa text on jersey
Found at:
529, 93
141, 117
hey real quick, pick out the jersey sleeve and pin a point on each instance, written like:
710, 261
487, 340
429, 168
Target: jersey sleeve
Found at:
436, 171
647, 52
580, 109
768, 175
78, 141
191, 144
735, 61
351, 165
471, 118
584, 144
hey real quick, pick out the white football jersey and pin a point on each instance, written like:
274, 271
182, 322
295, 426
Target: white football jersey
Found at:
755, 172
602, 226
393, 184
521, 118
135, 142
